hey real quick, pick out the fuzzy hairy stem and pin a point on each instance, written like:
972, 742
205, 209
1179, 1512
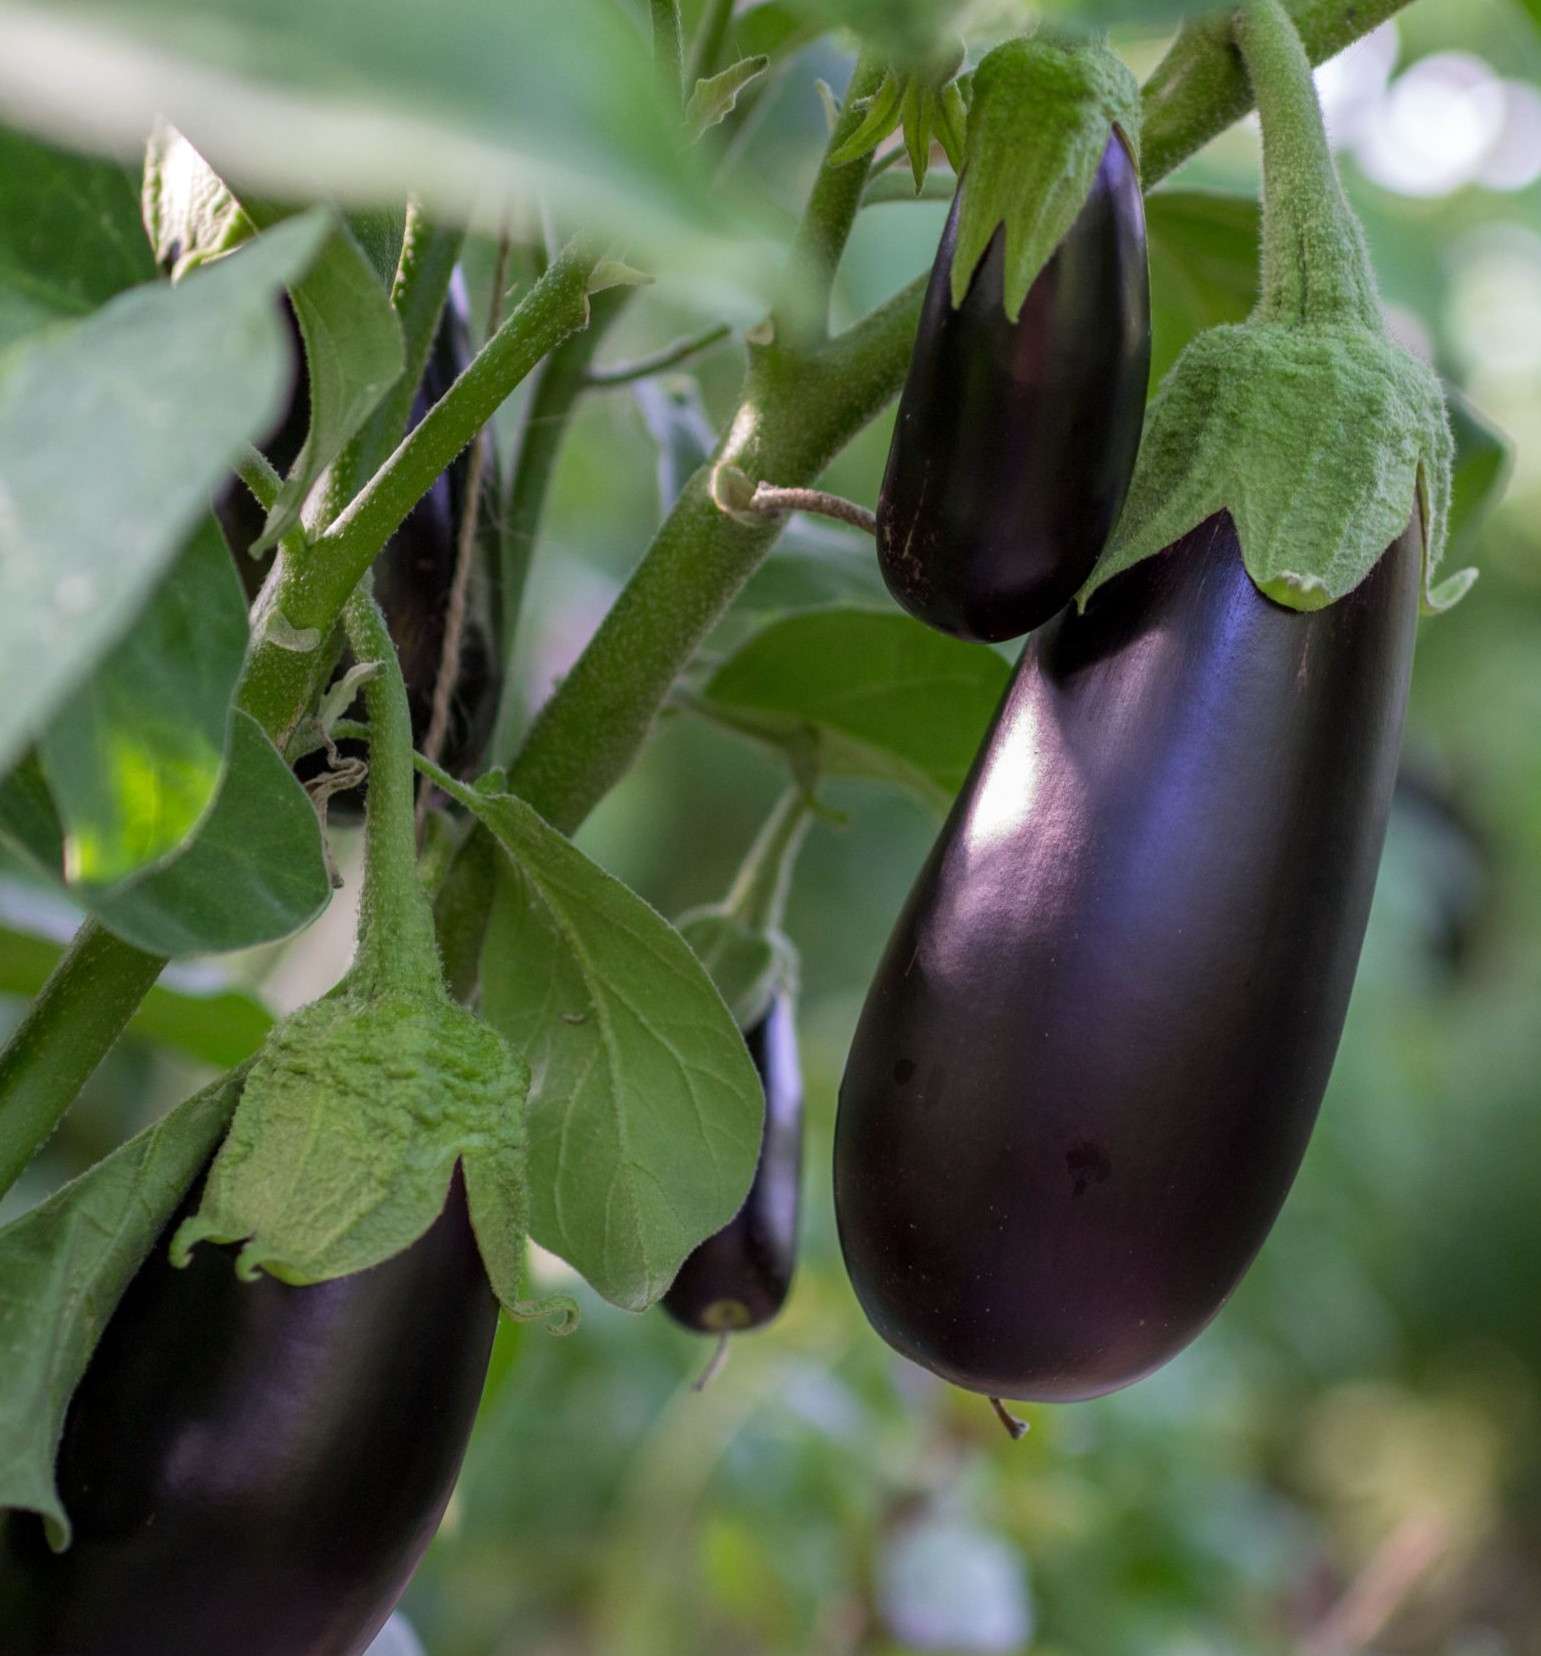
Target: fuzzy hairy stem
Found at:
561, 382
396, 947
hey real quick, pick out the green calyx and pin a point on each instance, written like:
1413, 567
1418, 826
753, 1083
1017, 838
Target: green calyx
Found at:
1041, 112
927, 102
359, 1108
1307, 423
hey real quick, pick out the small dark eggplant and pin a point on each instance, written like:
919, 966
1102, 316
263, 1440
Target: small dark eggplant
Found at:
1094, 1050
255, 1469
1016, 441
738, 1279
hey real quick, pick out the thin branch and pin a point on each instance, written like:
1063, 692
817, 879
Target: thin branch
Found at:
260, 476
777, 502
669, 48
448, 675
668, 356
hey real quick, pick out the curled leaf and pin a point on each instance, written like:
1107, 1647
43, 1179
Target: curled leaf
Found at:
716, 97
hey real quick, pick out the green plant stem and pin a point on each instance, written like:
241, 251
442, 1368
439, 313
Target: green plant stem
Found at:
547, 415
833, 202
758, 898
259, 475
71, 1025
669, 47
1315, 267
706, 48
308, 594
669, 356
1200, 87
396, 947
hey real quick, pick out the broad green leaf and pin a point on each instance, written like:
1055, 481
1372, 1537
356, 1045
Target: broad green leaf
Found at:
645, 1110
135, 756
69, 235
1484, 460
872, 694
113, 431
775, 28
1203, 267
814, 565
253, 873
353, 344
63, 1268
218, 1026
468, 104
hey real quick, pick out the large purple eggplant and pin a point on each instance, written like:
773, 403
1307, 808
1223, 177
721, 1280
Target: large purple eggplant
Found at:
1094, 1051
1015, 441
255, 1469
738, 1279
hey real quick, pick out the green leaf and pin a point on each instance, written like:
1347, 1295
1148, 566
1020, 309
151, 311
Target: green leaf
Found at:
470, 106
28, 818
70, 236
876, 695
216, 1026
1484, 462
812, 566
135, 756
190, 215
1203, 267
63, 1268
128, 418
353, 343
716, 97
646, 1112
252, 874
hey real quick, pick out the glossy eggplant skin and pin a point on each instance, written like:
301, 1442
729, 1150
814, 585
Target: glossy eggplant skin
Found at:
254, 1469
1015, 441
739, 1278
1094, 1050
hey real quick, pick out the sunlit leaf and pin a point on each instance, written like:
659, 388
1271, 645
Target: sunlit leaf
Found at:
253, 873
135, 756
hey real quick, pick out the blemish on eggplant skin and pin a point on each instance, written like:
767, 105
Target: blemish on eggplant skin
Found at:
904, 1071
1088, 1164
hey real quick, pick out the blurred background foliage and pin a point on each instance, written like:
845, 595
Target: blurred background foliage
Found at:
1351, 1458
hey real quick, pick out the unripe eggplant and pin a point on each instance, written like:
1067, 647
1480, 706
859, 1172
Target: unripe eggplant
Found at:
1016, 441
255, 1469
1094, 1050
739, 1278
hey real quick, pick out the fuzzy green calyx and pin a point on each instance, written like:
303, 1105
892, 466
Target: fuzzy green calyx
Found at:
346, 1138
927, 101
1040, 115
1307, 423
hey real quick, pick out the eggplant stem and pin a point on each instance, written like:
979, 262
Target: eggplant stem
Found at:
714, 1364
668, 356
1016, 1429
770, 500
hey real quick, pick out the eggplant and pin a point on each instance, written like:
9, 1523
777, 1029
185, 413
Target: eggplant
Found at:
739, 1278
255, 1469
1093, 1053
1015, 441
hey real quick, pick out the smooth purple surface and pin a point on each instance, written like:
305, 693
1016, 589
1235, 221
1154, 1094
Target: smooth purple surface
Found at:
1015, 441
1092, 1055
254, 1469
